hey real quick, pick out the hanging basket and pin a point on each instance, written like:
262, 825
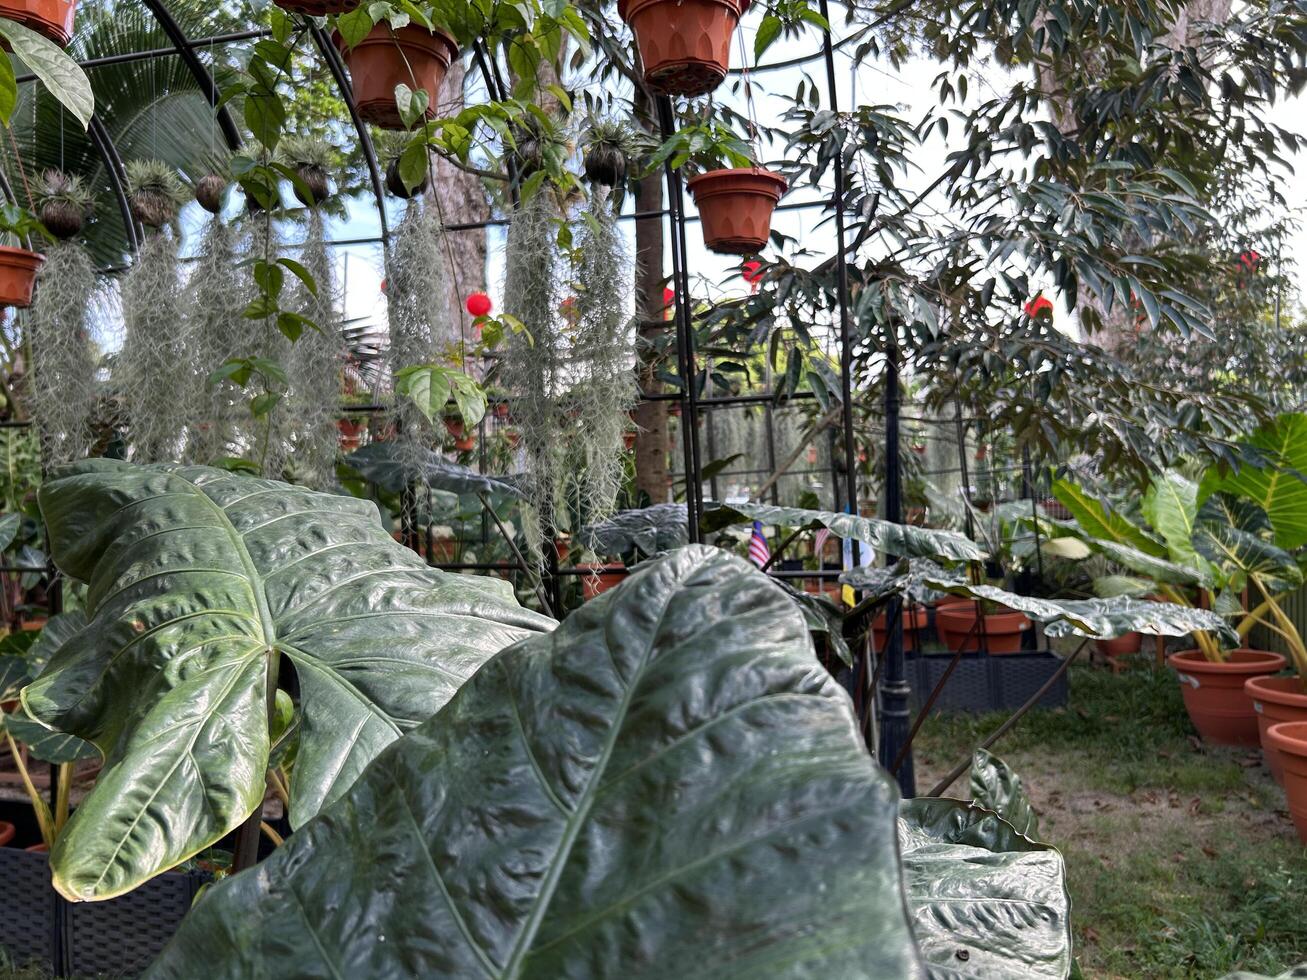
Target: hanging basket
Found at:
735, 207
318, 8
685, 45
52, 19
18, 275
381, 61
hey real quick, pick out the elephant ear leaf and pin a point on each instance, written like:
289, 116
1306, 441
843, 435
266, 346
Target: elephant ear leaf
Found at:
1171, 506
201, 583
986, 901
668, 785
1279, 488
1101, 523
996, 787
1235, 535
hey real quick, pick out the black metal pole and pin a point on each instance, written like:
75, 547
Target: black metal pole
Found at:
684, 334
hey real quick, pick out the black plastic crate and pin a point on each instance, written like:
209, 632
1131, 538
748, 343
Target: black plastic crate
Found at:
981, 683
117, 938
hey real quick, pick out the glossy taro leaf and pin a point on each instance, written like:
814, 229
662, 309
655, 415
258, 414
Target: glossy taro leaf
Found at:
986, 901
16, 672
648, 531
396, 466
904, 540
199, 582
1094, 618
996, 787
667, 786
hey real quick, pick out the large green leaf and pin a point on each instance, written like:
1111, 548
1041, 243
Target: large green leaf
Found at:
648, 530
198, 581
1280, 488
1101, 522
1096, 618
986, 901
1160, 570
60, 74
1242, 555
1171, 506
667, 786
396, 466
996, 787
903, 540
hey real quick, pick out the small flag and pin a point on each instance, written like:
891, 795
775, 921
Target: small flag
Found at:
759, 553
819, 541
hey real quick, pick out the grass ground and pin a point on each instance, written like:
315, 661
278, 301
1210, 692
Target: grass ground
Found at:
1181, 859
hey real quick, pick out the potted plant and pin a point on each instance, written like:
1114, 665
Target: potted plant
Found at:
52, 19
685, 45
1000, 629
313, 160
1288, 739
464, 441
154, 192
414, 55
63, 204
18, 265
609, 147
1205, 543
735, 196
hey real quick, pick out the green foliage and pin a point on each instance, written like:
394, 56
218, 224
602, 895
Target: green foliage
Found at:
61, 75
173, 675
706, 145
431, 387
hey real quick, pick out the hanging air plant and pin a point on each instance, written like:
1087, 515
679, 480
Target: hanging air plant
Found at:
533, 361
64, 390
417, 309
158, 398
313, 161
217, 294
604, 357
155, 192
63, 204
610, 145
314, 365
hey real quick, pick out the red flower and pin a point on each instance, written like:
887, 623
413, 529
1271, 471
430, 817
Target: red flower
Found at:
1250, 259
669, 296
751, 271
1040, 304
478, 304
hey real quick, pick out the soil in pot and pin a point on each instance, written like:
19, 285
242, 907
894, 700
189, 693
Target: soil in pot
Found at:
1214, 693
381, 61
1276, 700
914, 622
1003, 630
1289, 738
735, 207
18, 275
600, 578
52, 19
685, 45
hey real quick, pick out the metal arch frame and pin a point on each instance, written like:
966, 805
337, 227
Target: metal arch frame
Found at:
113, 163
337, 68
202, 76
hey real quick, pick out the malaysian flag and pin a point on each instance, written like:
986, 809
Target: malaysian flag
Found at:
759, 553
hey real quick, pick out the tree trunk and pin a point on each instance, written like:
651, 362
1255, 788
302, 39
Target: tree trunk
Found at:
650, 416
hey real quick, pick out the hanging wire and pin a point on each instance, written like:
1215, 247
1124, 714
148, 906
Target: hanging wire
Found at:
750, 112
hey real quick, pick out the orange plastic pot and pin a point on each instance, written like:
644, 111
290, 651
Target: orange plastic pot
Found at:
1275, 700
52, 19
913, 623
18, 275
384, 59
735, 207
1289, 739
6, 833
1120, 646
600, 578
685, 45
318, 8
956, 624
1214, 693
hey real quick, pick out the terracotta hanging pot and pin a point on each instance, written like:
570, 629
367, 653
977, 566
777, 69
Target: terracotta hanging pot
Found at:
1214, 693
52, 19
1289, 739
18, 275
1275, 699
383, 60
735, 207
685, 45
318, 8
